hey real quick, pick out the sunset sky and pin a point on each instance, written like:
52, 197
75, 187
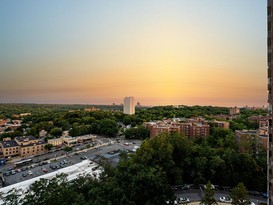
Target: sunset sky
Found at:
162, 52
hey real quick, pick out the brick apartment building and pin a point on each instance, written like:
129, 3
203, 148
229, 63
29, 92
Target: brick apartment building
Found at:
191, 128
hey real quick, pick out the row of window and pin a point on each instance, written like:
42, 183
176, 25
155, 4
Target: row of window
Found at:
13, 148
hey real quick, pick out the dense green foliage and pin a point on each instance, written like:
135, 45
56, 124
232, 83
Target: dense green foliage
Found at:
146, 176
137, 133
56, 118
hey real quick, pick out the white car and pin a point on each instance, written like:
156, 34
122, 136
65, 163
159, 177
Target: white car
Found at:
30, 172
183, 200
225, 199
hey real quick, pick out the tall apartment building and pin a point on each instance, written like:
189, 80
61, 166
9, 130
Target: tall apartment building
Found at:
234, 111
270, 97
129, 106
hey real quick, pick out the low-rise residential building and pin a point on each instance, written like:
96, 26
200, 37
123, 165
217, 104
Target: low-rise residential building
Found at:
194, 127
90, 109
262, 121
22, 146
30, 146
9, 148
260, 135
158, 129
220, 124
57, 142
70, 141
85, 138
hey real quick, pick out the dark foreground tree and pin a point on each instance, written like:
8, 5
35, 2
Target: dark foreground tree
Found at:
208, 198
54, 192
239, 195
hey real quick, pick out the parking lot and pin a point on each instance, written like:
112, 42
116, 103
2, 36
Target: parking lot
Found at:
53, 161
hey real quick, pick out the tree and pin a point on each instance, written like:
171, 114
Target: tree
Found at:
208, 198
108, 127
13, 197
239, 195
67, 149
48, 146
56, 132
56, 191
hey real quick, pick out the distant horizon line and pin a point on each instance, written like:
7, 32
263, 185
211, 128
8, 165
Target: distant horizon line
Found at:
120, 104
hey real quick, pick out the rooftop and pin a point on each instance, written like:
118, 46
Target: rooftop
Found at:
25, 138
9, 143
33, 144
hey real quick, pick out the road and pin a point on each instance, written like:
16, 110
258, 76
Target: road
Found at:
196, 195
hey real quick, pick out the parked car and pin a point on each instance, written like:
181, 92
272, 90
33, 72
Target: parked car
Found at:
44, 170
84, 157
225, 199
183, 200
7, 173
24, 174
52, 166
185, 187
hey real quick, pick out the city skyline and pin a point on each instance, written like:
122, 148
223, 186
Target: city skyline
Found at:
161, 52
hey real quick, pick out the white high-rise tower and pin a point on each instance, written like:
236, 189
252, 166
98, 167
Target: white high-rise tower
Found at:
129, 106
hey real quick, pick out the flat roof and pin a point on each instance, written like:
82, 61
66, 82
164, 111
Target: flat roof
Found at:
34, 144
9, 143
25, 138
72, 172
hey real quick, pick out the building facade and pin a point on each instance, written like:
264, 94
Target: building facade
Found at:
270, 97
129, 106
9, 147
190, 128
234, 111
22, 146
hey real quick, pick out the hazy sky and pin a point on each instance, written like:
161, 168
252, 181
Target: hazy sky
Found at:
191, 52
